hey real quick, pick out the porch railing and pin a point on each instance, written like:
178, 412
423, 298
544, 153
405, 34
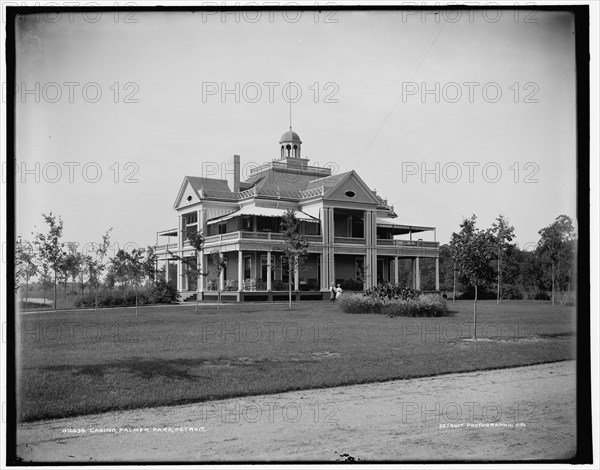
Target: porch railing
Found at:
350, 240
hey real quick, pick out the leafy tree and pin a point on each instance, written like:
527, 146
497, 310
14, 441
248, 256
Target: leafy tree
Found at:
51, 248
119, 268
454, 255
28, 266
295, 247
96, 265
557, 248
503, 234
149, 265
93, 271
45, 279
220, 263
135, 268
196, 239
473, 249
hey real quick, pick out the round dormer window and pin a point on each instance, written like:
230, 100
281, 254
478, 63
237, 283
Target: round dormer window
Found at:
189, 198
350, 193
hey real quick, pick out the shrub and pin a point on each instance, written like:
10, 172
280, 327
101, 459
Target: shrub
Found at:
511, 292
425, 305
160, 293
351, 285
391, 291
163, 292
566, 298
31, 304
482, 294
541, 295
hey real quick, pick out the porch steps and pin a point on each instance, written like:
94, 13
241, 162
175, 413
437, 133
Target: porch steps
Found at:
187, 296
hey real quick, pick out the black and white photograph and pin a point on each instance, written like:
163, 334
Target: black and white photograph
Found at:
301, 233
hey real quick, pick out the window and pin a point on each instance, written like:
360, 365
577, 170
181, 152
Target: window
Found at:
222, 228
247, 267
247, 222
350, 193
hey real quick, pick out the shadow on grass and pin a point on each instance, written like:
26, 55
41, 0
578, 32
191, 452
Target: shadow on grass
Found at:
143, 368
184, 369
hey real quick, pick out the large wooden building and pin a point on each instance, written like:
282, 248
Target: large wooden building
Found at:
351, 232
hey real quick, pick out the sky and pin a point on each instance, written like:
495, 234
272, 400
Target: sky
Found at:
445, 115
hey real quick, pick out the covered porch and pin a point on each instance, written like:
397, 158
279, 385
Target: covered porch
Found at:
251, 275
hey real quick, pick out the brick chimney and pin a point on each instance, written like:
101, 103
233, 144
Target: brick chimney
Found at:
236, 173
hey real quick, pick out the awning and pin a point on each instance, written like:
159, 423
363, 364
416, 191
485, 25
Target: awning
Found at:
400, 229
261, 212
312, 211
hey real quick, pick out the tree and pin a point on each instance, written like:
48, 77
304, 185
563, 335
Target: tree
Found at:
119, 268
503, 234
93, 270
473, 249
149, 266
135, 269
70, 265
96, 265
45, 279
51, 247
220, 263
196, 239
295, 246
27, 266
557, 247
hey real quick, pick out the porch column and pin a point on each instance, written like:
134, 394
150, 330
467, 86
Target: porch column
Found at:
396, 280
370, 271
296, 274
332, 248
166, 269
269, 270
180, 253
200, 263
179, 275
417, 274
222, 278
437, 274
240, 271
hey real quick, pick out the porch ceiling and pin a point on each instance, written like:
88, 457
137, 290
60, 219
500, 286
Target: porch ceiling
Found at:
401, 229
262, 212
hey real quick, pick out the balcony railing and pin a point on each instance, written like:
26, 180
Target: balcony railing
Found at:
165, 247
268, 236
274, 236
350, 240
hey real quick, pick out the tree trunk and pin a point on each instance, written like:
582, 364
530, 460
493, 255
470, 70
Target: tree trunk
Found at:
475, 315
454, 280
136, 300
498, 294
55, 289
26, 292
553, 284
290, 285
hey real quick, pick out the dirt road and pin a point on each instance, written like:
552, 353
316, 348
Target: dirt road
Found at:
521, 413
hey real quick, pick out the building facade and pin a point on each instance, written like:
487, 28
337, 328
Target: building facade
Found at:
350, 229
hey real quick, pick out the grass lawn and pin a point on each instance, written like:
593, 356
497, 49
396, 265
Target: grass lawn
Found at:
78, 362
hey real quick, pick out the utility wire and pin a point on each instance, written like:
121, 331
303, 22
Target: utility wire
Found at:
400, 96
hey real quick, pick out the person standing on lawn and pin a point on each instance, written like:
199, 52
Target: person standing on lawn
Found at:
338, 291
333, 292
